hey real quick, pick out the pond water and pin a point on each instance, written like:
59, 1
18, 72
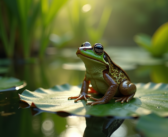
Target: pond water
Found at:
65, 67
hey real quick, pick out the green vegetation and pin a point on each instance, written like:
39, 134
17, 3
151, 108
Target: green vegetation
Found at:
157, 45
27, 28
20, 20
83, 21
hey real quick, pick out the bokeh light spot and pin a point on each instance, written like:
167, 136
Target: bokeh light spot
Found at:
86, 7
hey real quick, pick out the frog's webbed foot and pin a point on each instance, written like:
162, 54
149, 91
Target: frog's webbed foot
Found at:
97, 101
100, 101
80, 97
124, 99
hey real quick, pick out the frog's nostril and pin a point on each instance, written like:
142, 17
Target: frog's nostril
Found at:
82, 48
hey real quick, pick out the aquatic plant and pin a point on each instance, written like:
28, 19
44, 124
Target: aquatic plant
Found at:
157, 45
20, 20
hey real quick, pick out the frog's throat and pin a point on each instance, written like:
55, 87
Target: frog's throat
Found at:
86, 58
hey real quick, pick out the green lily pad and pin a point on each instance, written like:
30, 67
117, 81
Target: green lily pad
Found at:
149, 98
9, 84
152, 126
3, 70
5, 62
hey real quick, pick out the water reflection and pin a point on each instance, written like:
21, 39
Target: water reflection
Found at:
75, 127
47, 127
78, 126
120, 132
36, 124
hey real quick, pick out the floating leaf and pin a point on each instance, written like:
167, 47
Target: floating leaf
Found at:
9, 84
152, 126
74, 66
3, 70
149, 98
5, 62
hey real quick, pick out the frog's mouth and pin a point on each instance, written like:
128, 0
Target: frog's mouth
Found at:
82, 56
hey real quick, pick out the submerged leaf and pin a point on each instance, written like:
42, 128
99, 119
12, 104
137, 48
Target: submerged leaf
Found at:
149, 98
152, 126
9, 84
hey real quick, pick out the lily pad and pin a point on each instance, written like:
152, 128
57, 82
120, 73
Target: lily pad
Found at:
3, 70
149, 98
10, 84
152, 126
5, 62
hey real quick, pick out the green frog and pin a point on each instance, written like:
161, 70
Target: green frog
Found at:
104, 75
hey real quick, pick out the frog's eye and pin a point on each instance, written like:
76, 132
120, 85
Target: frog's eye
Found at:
98, 49
82, 45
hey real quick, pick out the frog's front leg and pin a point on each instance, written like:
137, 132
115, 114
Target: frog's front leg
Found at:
83, 93
113, 86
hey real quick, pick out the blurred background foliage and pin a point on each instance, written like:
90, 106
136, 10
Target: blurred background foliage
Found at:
21, 20
28, 27
157, 45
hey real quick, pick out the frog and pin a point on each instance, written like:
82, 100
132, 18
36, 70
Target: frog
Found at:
105, 77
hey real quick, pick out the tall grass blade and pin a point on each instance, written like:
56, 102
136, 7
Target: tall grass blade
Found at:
48, 12
53, 10
95, 34
3, 36
12, 35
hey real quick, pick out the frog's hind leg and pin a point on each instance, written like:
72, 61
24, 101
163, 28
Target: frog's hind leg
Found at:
124, 99
127, 89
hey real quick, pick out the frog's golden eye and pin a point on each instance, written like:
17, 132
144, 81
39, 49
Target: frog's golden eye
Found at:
98, 48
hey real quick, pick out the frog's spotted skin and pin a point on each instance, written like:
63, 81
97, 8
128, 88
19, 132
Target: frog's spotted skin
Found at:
118, 75
104, 75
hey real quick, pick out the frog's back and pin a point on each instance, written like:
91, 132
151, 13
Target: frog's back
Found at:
118, 75
116, 72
